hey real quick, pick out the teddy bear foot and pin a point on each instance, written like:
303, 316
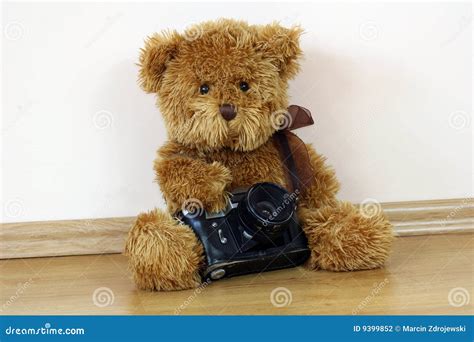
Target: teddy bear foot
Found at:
342, 238
163, 254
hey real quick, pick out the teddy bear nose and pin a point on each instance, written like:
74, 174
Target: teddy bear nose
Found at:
227, 111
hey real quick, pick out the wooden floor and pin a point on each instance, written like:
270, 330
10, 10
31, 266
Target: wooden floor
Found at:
425, 275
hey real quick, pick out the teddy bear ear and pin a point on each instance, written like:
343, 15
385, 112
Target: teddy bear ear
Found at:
158, 51
281, 45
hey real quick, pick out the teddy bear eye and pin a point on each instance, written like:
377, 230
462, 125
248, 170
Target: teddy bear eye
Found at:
244, 86
204, 89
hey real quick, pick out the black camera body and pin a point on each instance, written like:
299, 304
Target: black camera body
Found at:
257, 232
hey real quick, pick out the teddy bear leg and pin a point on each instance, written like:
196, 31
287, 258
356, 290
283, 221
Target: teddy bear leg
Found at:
163, 254
342, 238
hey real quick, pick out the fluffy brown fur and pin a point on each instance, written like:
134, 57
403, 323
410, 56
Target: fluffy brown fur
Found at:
164, 255
220, 54
342, 239
206, 156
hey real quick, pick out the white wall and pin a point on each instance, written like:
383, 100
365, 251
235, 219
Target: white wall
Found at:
389, 84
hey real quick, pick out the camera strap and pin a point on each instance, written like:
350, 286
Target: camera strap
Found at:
293, 151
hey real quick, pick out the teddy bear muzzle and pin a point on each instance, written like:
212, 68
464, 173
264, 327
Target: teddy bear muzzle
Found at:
228, 111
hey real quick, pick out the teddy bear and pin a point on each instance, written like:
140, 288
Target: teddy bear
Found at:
218, 86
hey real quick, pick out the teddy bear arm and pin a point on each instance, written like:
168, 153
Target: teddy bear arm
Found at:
187, 180
163, 254
340, 236
325, 185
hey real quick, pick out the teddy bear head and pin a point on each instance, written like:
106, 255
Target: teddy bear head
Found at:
221, 84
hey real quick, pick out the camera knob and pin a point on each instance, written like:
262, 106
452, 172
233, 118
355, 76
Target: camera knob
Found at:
217, 274
222, 237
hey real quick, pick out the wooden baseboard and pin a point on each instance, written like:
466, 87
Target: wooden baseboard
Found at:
431, 217
99, 236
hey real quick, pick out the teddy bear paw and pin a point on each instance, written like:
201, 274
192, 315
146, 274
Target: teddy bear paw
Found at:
342, 238
163, 254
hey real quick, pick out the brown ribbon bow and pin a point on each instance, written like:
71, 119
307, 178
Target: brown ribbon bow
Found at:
293, 151
299, 117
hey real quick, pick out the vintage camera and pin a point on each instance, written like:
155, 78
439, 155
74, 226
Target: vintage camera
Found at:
258, 231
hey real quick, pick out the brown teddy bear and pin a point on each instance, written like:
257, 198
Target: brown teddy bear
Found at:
219, 85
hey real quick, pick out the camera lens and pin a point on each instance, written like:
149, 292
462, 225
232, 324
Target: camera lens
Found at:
266, 209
